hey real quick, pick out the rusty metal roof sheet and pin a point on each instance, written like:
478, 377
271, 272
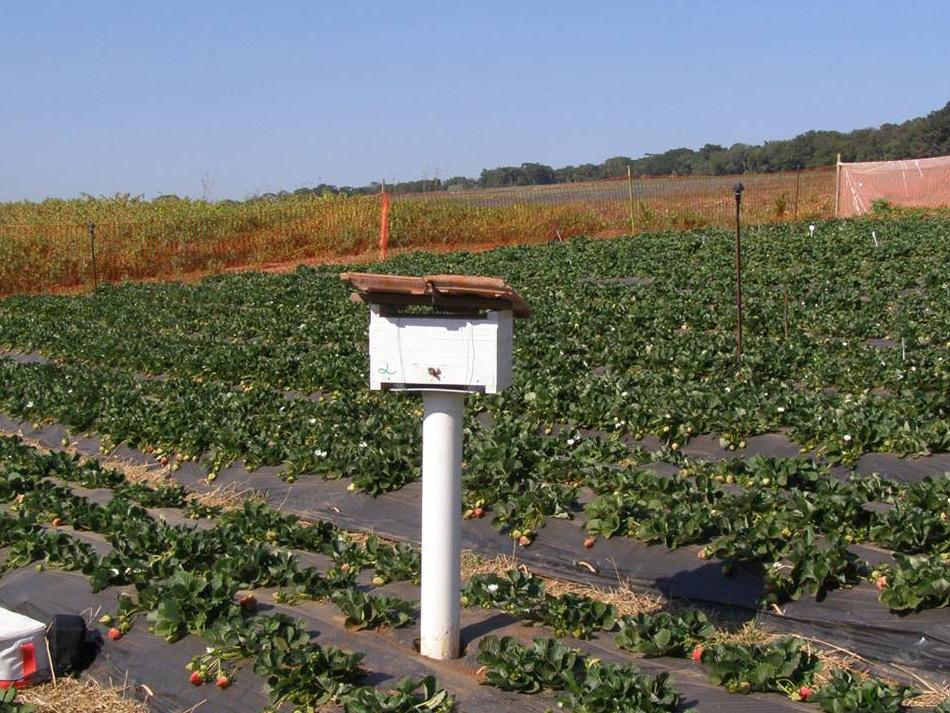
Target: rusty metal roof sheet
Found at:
448, 292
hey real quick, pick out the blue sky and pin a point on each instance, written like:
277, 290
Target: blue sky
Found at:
157, 97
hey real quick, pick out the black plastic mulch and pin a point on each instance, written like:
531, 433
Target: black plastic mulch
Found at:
853, 620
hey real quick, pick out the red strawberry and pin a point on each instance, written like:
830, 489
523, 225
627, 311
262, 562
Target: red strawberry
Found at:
196, 679
114, 633
589, 542
524, 540
804, 693
248, 602
881, 583
697, 654
703, 554
163, 460
222, 681
56, 521
479, 512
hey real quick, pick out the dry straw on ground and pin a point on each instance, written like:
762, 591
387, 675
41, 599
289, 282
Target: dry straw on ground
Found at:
67, 695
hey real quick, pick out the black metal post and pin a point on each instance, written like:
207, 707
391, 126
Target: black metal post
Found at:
92, 250
738, 188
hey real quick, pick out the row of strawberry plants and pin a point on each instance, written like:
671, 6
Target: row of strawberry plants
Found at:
218, 618
589, 685
186, 582
654, 359
794, 519
258, 521
783, 666
522, 487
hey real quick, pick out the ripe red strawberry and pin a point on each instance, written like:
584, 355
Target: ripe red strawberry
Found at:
56, 521
479, 512
881, 583
196, 679
589, 542
163, 460
697, 654
805, 693
248, 602
703, 554
222, 681
114, 633
524, 540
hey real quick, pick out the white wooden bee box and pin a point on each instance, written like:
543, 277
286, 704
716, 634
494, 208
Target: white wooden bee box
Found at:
422, 352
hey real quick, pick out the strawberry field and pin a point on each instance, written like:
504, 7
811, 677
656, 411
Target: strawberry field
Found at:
804, 486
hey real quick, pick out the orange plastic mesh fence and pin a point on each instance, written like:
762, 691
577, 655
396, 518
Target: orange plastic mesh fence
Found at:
915, 183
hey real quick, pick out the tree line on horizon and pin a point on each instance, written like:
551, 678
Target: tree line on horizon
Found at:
921, 137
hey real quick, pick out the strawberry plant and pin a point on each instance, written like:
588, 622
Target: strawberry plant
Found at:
663, 634
522, 594
916, 582
512, 666
812, 568
369, 611
590, 686
517, 592
783, 666
408, 695
609, 687
575, 615
847, 693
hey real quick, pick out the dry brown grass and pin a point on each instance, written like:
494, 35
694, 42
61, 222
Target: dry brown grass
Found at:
228, 497
67, 695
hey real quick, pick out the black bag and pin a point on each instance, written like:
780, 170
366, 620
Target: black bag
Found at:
70, 646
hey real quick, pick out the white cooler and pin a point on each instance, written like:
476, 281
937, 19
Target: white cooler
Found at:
23, 655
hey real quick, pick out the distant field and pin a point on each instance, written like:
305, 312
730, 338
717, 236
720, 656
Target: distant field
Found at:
47, 245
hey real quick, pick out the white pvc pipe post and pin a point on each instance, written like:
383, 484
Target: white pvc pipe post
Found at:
441, 523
